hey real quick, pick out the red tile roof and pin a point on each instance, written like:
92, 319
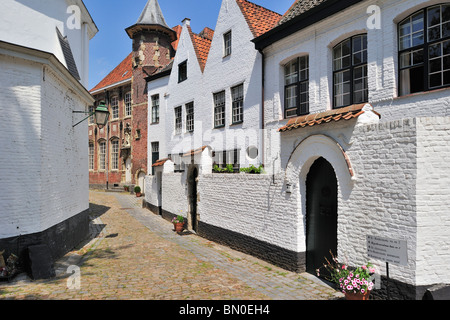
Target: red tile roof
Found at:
121, 73
202, 45
194, 151
310, 120
259, 19
160, 163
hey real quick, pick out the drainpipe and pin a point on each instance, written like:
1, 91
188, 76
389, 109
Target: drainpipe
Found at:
263, 74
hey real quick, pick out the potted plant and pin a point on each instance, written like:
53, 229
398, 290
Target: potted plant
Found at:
178, 223
355, 283
137, 190
126, 188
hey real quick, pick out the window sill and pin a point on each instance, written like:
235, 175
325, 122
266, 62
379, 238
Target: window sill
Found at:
219, 127
237, 123
422, 93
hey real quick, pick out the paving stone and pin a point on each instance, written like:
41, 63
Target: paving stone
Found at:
134, 254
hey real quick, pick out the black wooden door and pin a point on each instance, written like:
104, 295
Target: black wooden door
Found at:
321, 214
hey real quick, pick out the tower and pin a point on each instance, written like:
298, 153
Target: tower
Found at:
152, 51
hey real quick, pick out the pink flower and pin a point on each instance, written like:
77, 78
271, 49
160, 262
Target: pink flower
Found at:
344, 267
362, 290
349, 287
372, 270
364, 267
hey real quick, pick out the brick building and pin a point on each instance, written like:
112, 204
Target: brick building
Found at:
118, 152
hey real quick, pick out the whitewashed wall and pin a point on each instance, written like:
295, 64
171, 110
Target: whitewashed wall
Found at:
44, 178
33, 24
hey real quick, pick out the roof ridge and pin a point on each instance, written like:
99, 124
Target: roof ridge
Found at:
259, 19
200, 58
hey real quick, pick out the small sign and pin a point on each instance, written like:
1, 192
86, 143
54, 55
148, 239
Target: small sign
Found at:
387, 250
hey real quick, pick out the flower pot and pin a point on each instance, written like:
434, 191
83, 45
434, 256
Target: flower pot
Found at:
179, 227
357, 296
138, 194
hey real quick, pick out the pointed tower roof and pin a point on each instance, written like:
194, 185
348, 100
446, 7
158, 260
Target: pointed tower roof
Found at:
152, 14
151, 19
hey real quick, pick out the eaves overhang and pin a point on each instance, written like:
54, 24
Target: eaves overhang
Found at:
302, 21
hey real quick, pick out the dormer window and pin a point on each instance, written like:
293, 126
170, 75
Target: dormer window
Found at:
182, 71
227, 44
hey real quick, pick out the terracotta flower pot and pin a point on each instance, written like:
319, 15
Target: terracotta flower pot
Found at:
357, 296
179, 227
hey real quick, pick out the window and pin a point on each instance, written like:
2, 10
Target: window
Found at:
296, 92
115, 107
227, 44
424, 50
91, 156
182, 71
177, 159
219, 109
155, 108
237, 95
115, 155
155, 154
178, 120
91, 112
224, 158
102, 155
128, 104
190, 117
350, 84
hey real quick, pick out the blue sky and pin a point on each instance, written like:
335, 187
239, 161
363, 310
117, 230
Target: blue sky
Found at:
111, 45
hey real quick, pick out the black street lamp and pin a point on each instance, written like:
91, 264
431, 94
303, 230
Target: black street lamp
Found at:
101, 115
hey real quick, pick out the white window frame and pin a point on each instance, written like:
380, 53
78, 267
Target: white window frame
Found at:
128, 104
115, 150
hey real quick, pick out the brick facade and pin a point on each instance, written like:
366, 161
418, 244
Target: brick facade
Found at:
152, 50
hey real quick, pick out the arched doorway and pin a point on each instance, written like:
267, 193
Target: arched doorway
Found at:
321, 214
141, 181
193, 198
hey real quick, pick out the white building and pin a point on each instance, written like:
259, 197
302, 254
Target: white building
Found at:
44, 196
355, 116
210, 107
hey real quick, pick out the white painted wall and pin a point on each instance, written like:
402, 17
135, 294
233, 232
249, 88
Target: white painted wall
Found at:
33, 24
44, 179
400, 183
243, 66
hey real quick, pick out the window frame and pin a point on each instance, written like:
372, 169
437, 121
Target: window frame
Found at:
219, 109
91, 156
297, 85
225, 156
115, 154
353, 66
155, 108
178, 120
114, 107
237, 104
190, 117
227, 43
127, 100
182, 71
102, 155
427, 44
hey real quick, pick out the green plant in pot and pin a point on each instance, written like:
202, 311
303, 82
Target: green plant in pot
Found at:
137, 191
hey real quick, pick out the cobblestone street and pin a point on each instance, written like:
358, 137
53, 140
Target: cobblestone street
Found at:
135, 255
